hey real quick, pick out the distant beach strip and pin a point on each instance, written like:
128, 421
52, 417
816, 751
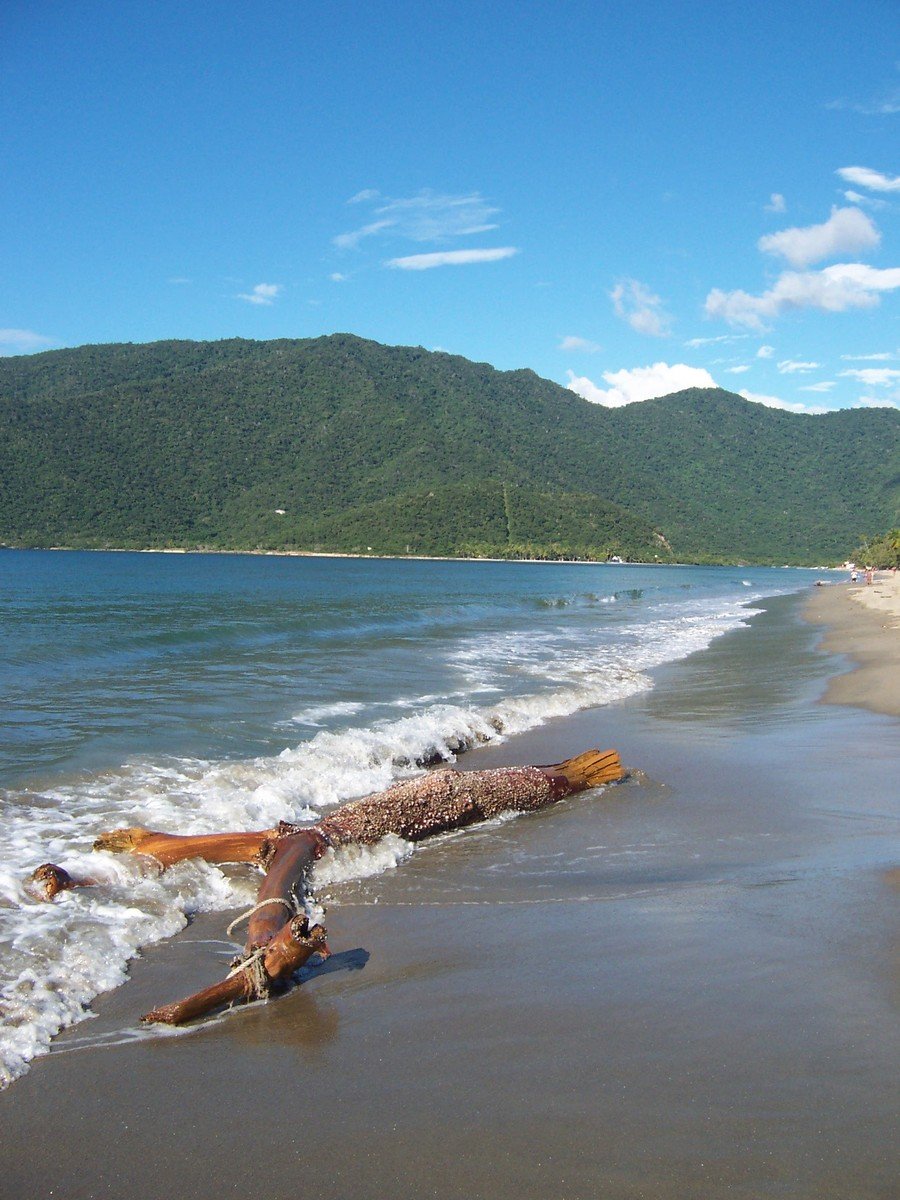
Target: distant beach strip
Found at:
863, 622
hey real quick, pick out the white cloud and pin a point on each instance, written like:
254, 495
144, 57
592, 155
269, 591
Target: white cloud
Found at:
865, 177
765, 352
348, 241
867, 201
886, 106
776, 203
695, 343
834, 289
263, 293
791, 366
338, 277
579, 343
640, 383
876, 402
22, 341
867, 357
825, 386
636, 304
365, 194
846, 231
874, 376
180, 279
787, 405
426, 217
450, 258
737, 370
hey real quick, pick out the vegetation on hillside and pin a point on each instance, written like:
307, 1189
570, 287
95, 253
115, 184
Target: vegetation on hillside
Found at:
338, 443
881, 552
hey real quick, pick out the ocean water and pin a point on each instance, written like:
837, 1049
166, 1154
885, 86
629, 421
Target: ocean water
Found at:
191, 693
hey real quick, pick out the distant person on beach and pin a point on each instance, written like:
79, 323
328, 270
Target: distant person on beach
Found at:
870, 575
854, 577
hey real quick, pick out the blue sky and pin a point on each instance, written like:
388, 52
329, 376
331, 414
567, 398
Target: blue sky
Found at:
626, 198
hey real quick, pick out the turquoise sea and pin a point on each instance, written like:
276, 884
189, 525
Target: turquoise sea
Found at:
191, 692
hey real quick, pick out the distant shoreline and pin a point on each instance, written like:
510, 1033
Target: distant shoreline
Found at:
583, 562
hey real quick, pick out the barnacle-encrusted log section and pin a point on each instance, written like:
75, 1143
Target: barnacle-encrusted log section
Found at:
441, 800
279, 938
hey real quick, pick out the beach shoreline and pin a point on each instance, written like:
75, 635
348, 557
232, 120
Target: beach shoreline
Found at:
586, 562
862, 622
681, 986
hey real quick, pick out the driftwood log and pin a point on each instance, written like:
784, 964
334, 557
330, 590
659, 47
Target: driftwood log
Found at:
279, 938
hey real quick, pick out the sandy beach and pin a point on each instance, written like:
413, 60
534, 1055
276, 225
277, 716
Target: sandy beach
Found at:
683, 987
863, 622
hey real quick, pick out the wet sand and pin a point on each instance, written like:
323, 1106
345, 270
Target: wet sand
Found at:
684, 987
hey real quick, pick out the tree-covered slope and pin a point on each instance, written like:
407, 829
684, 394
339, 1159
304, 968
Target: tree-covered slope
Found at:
361, 445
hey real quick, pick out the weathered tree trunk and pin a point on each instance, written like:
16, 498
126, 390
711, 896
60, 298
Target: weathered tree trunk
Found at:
279, 939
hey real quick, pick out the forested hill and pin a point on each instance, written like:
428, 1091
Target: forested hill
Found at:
398, 449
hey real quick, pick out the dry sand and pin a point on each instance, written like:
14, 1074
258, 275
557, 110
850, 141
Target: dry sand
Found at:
863, 622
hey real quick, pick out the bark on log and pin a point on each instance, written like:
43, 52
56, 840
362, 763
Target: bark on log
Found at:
281, 890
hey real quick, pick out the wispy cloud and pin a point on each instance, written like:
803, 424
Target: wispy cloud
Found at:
180, 280
867, 201
449, 258
738, 370
338, 277
881, 357
696, 343
425, 217
867, 178
834, 289
776, 203
846, 231
365, 194
22, 341
874, 376
263, 293
639, 383
579, 344
787, 405
877, 402
635, 303
790, 366
824, 385
765, 352
883, 106
348, 241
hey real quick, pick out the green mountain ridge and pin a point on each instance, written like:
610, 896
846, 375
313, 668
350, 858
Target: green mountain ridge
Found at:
199, 444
